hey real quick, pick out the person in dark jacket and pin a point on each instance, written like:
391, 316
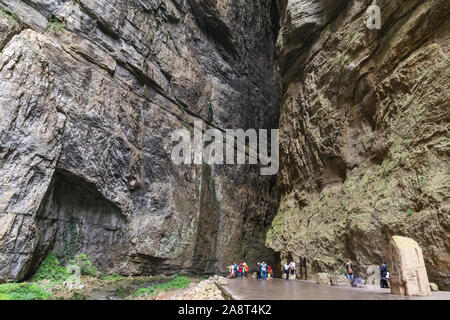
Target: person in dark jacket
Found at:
258, 271
383, 273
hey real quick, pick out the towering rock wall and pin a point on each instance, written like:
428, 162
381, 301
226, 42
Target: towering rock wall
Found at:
364, 133
90, 92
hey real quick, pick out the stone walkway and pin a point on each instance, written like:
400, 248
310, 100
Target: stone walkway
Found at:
280, 289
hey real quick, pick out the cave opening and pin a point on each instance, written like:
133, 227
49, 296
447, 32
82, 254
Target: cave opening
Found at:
76, 218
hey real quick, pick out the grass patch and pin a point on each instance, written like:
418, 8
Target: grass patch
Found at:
176, 283
113, 277
23, 291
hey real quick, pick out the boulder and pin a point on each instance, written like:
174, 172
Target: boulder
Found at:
408, 275
434, 287
339, 280
373, 276
323, 278
221, 280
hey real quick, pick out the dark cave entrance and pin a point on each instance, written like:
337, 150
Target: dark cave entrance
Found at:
76, 218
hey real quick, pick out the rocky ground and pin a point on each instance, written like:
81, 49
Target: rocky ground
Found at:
126, 289
205, 290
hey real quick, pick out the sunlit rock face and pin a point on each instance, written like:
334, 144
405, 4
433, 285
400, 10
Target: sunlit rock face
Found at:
90, 92
364, 133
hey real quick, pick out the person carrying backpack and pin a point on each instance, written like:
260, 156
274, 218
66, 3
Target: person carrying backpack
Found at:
349, 270
384, 276
264, 270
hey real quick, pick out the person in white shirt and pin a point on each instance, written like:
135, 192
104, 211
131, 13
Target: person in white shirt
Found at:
292, 267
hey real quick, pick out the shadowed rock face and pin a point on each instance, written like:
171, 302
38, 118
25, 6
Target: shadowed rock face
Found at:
364, 133
90, 92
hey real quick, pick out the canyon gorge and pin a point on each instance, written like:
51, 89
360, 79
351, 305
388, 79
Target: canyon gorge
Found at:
91, 90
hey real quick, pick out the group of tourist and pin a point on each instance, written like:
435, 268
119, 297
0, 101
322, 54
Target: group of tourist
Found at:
263, 271
237, 270
289, 269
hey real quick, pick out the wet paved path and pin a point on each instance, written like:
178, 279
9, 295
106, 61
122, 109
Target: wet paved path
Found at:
280, 289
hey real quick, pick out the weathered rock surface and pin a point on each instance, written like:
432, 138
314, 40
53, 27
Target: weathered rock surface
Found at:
339, 280
408, 275
373, 276
322, 278
205, 290
364, 133
90, 92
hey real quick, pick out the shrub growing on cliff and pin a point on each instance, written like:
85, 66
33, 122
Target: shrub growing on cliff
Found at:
22, 291
51, 269
56, 24
11, 16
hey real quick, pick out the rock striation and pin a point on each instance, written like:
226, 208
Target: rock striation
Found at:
364, 133
90, 92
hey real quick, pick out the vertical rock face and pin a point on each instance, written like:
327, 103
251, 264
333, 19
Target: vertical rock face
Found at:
90, 92
408, 274
364, 133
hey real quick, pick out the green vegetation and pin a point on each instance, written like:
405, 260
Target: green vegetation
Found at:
179, 105
176, 283
22, 291
113, 277
11, 16
72, 239
85, 265
56, 24
51, 269
410, 212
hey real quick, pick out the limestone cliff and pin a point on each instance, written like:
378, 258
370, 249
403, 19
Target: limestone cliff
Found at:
90, 92
364, 139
